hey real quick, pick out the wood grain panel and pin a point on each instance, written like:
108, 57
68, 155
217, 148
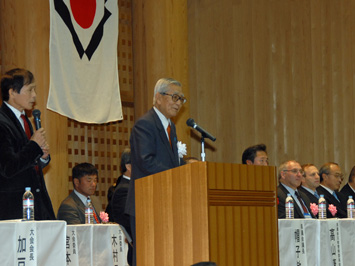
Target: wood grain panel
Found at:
24, 38
160, 49
274, 72
240, 226
242, 214
173, 217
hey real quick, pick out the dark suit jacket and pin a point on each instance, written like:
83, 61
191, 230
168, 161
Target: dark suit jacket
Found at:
341, 206
72, 209
110, 192
118, 203
151, 152
347, 191
18, 157
310, 196
298, 213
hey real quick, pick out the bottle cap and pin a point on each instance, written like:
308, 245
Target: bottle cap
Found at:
321, 195
350, 197
28, 189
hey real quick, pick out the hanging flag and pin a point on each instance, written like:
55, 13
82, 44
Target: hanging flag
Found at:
83, 60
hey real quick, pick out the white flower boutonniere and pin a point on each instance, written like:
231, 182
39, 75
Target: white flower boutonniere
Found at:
181, 149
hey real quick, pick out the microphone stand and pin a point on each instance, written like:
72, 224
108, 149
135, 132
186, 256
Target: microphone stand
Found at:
203, 155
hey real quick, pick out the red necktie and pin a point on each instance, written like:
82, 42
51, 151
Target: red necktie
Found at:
169, 129
305, 210
27, 126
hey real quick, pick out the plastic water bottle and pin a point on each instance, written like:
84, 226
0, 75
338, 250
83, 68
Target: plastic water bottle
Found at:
89, 216
350, 207
289, 207
322, 208
28, 205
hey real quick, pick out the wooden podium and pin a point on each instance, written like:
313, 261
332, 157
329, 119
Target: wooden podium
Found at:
226, 213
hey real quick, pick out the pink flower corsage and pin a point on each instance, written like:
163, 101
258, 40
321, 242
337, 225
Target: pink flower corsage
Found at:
314, 208
332, 209
104, 217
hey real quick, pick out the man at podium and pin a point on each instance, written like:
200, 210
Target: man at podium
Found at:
153, 140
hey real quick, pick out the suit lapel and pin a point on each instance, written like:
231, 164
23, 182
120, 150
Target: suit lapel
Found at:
164, 139
16, 126
174, 143
295, 205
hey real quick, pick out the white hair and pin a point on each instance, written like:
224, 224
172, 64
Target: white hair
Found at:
163, 86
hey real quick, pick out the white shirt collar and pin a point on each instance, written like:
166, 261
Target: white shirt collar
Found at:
126, 177
163, 120
81, 196
15, 111
328, 189
293, 194
309, 190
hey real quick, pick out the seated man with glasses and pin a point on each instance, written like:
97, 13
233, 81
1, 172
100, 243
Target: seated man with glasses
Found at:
72, 209
330, 181
290, 177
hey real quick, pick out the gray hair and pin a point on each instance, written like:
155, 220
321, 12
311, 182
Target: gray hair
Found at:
325, 169
163, 86
283, 167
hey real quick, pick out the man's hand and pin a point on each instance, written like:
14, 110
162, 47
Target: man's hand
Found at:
39, 137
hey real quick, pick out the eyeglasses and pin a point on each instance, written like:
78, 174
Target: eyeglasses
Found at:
295, 171
340, 176
175, 97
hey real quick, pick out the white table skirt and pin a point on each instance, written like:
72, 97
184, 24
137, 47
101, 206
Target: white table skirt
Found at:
96, 245
315, 242
32, 243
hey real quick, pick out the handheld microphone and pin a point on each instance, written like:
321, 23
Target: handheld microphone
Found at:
191, 123
36, 115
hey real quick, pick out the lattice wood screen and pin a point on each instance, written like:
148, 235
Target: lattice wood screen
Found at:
102, 145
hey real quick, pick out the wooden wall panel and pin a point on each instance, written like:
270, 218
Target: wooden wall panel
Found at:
160, 50
24, 38
100, 145
275, 72
24, 42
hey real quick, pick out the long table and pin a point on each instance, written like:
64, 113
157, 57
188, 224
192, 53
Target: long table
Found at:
32, 243
95, 245
315, 242
54, 243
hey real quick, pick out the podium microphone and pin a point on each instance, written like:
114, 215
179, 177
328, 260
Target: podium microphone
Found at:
191, 123
36, 115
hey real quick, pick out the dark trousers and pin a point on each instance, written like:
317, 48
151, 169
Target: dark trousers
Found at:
132, 220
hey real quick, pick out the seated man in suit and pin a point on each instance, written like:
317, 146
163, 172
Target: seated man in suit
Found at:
290, 176
330, 180
256, 155
310, 181
72, 209
349, 188
119, 198
112, 188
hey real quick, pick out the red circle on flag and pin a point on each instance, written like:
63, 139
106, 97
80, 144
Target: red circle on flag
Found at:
83, 12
